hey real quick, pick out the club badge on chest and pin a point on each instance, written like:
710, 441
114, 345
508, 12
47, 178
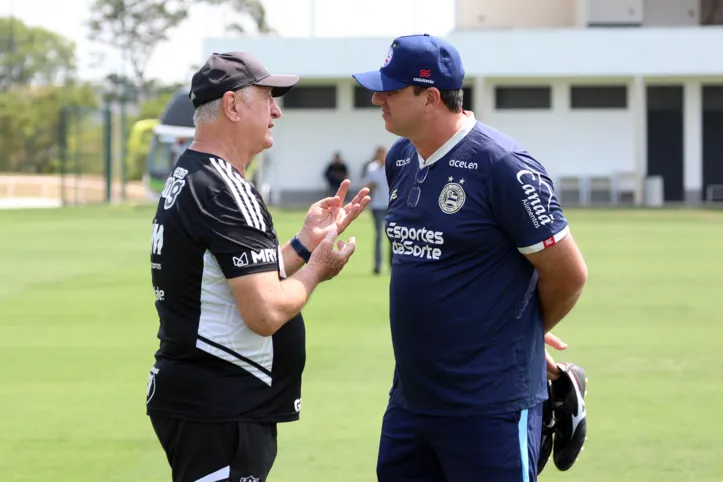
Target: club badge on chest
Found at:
452, 197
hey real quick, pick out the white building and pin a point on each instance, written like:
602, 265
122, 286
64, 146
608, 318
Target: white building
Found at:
602, 107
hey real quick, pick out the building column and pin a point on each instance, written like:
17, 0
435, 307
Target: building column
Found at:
640, 111
582, 13
481, 101
693, 141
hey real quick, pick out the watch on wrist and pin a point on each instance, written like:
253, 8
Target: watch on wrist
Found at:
304, 253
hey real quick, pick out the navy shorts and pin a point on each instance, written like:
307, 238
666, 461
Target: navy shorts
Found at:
488, 448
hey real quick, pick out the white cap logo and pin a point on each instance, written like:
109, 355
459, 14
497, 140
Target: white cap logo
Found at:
389, 56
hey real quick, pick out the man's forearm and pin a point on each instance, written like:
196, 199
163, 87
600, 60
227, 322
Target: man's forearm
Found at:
296, 291
292, 261
557, 300
267, 304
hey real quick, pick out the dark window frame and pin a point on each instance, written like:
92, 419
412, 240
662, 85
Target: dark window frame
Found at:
504, 97
360, 92
468, 98
712, 97
358, 95
583, 96
327, 93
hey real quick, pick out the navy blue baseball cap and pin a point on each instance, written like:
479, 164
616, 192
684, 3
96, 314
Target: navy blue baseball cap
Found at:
416, 60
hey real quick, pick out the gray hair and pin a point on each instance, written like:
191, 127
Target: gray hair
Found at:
210, 111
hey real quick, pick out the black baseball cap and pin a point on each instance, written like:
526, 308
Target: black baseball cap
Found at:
232, 71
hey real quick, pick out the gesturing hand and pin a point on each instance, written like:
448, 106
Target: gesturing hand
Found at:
328, 214
326, 261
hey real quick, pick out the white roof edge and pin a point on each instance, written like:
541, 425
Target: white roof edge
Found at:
505, 52
178, 131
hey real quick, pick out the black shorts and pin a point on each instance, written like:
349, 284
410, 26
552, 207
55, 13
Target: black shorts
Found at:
217, 452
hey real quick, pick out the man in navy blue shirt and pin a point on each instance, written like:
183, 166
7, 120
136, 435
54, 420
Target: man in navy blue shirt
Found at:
484, 266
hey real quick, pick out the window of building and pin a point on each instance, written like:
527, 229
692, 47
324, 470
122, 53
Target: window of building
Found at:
537, 97
467, 99
665, 98
599, 97
713, 98
363, 98
311, 97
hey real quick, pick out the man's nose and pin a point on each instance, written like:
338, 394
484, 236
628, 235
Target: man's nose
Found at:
275, 110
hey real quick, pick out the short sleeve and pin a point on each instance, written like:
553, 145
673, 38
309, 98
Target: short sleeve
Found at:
388, 167
391, 161
237, 230
523, 202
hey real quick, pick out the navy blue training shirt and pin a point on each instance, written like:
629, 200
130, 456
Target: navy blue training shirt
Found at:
466, 323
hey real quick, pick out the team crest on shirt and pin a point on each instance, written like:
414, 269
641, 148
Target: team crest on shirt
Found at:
452, 197
174, 184
250, 478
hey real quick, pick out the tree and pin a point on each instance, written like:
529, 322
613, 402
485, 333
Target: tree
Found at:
120, 87
251, 9
153, 107
30, 120
33, 55
137, 27
37, 69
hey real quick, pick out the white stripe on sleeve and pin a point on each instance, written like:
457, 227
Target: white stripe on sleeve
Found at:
250, 199
551, 241
234, 190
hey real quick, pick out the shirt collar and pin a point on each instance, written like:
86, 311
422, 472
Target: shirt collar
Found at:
453, 141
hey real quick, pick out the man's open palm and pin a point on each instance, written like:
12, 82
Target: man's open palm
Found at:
328, 213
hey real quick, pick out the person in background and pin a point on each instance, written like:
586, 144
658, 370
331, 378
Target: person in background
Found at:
379, 153
376, 181
335, 174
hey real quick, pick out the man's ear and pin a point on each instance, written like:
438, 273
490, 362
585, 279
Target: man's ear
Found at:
434, 96
229, 106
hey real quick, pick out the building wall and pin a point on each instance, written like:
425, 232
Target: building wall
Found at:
614, 12
583, 143
577, 142
474, 14
591, 52
569, 142
305, 140
495, 14
671, 13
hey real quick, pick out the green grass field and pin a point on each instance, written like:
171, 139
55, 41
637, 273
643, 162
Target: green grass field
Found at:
78, 327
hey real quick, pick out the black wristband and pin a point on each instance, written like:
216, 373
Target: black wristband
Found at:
304, 253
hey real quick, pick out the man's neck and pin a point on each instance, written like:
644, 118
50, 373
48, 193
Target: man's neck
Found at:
221, 149
437, 133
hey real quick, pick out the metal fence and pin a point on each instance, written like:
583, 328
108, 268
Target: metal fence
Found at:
85, 152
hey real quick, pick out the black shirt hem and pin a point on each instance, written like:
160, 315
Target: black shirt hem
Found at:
283, 418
